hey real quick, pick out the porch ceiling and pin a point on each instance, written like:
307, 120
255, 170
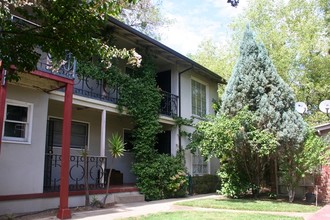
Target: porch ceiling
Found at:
30, 80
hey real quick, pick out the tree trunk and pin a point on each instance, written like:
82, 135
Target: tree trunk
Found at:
291, 193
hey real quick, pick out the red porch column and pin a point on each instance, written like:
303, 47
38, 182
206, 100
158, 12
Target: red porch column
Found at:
64, 211
3, 94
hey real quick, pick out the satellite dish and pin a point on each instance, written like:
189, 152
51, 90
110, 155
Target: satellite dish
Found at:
325, 106
300, 107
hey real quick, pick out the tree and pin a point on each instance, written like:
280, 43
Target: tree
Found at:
116, 149
144, 16
55, 27
299, 160
256, 84
216, 57
296, 35
241, 147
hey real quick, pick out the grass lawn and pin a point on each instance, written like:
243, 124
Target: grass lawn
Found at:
195, 215
250, 204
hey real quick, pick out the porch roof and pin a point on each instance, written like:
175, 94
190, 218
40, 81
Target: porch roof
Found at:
322, 129
160, 49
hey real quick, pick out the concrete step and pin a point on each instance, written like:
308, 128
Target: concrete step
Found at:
129, 198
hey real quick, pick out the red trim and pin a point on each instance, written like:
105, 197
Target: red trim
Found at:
3, 94
64, 211
113, 189
47, 75
52, 76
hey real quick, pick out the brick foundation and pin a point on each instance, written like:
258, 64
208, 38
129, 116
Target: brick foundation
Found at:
323, 183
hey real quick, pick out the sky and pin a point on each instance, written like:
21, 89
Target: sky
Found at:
195, 21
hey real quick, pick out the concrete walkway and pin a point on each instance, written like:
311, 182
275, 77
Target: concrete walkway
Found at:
120, 211
322, 214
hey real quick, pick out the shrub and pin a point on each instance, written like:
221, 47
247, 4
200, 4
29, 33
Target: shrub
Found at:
233, 183
162, 178
205, 184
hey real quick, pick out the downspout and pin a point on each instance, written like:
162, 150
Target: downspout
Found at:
180, 73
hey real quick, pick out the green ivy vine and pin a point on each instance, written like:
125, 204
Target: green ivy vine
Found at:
158, 176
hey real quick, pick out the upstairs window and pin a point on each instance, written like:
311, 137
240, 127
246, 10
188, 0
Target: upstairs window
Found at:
18, 122
198, 98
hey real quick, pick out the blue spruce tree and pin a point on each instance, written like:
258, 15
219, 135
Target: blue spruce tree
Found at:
255, 85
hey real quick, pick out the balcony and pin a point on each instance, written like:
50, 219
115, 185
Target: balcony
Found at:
46, 77
65, 69
96, 89
169, 104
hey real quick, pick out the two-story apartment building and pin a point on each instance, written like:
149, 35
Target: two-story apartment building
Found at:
36, 107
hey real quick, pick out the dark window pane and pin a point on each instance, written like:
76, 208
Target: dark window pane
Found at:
128, 140
16, 113
79, 134
16, 130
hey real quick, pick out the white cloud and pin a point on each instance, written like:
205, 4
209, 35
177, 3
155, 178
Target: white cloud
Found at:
181, 37
195, 23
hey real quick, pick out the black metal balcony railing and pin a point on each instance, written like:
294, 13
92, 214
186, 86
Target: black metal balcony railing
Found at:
169, 104
77, 172
97, 89
67, 68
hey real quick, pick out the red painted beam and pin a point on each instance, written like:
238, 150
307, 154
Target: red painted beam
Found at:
64, 211
3, 94
52, 77
47, 75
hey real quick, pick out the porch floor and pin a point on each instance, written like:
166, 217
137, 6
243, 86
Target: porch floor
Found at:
112, 189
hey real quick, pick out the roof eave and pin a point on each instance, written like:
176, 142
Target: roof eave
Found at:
195, 65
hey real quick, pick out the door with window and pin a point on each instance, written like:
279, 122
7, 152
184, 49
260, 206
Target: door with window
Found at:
79, 140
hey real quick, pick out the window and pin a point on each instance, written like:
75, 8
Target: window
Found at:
79, 133
18, 121
200, 166
198, 98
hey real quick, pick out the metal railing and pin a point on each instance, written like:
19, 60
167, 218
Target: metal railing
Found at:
96, 89
66, 68
93, 169
169, 104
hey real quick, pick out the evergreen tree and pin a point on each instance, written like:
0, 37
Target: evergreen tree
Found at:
256, 84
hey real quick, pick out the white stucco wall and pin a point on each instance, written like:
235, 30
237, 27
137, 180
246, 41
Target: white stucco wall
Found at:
22, 165
186, 111
117, 124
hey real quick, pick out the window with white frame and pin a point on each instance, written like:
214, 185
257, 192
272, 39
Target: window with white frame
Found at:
18, 121
200, 166
198, 98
